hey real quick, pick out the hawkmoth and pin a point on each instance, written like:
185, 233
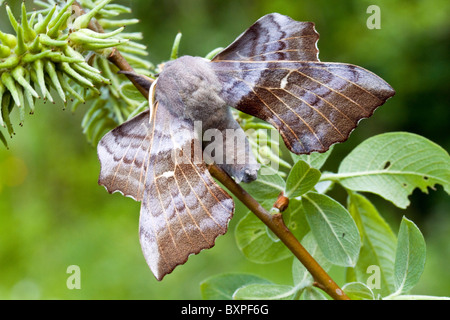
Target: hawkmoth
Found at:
271, 71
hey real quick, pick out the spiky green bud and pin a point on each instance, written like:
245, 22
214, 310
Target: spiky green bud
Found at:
83, 21
52, 49
5, 51
8, 39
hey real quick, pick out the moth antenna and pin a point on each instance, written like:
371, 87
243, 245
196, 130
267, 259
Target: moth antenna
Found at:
151, 99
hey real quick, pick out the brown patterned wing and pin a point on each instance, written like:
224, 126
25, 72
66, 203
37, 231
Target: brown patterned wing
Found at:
123, 155
272, 72
183, 210
274, 37
312, 104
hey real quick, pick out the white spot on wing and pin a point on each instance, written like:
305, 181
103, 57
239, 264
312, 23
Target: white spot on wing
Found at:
284, 81
168, 174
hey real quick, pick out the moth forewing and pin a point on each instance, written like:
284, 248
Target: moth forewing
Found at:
272, 71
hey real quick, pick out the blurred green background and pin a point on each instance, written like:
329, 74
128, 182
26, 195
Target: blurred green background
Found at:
53, 214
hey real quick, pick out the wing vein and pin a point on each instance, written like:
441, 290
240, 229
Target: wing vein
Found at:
343, 95
119, 165
292, 38
164, 209
316, 110
131, 166
353, 83
179, 218
324, 100
200, 201
145, 181
271, 110
278, 51
298, 116
187, 208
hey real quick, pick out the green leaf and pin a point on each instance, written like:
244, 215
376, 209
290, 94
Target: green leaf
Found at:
223, 286
265, 292
358, 291
314, 160
323, 186
312, 293
378, 244
410, 257
265, 187
175, 47
213, 53
301, 179
130, 92
295, 219
300, 275
3, 139
333, 227
83, 21
392, 165
257, 242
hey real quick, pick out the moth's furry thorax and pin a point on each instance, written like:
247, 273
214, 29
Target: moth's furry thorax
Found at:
189, 86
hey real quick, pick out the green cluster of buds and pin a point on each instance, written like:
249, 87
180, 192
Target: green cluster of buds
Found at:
53, 50
119, 101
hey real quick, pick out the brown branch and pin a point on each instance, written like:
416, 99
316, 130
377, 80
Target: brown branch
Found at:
274, 222
276, 225
119, 61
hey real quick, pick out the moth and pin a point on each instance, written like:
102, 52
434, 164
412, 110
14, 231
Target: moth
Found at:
271, 71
